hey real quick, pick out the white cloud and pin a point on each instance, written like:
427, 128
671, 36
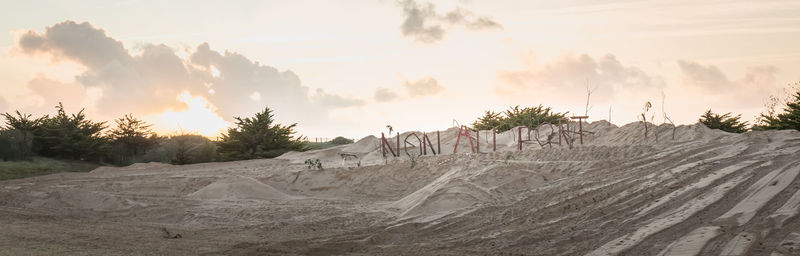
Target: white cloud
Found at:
569, 76
148, 83
424, 24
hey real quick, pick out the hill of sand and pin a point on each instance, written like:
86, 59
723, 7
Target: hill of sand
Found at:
685, 190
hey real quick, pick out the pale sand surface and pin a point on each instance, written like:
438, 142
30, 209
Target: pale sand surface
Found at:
706, 192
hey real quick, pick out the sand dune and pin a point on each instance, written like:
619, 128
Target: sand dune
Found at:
705, 192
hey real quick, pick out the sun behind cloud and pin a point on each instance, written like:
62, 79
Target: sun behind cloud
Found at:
200, 117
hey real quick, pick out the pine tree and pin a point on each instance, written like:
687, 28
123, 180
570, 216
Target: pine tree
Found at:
789, 119
258, 137
18, 136
132, 137
516, 116
489, 121
724, 122
72, 136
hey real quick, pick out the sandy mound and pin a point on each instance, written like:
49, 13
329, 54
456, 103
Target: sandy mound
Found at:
364, 145
134, 167
239, 187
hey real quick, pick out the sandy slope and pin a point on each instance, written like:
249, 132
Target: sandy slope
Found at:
705, 192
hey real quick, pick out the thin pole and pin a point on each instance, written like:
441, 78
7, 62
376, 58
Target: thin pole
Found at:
438, 143
383, 145
494, 139
424, 149
478, 142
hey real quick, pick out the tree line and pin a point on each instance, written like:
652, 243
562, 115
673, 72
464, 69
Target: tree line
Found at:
130, 140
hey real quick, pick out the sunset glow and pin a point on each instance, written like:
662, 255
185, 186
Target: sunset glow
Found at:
199, 117
393, 60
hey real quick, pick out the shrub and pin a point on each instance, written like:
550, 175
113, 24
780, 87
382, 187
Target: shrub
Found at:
312, 164
15, 145
131, 137
17, 136
724, 122
788, 119
341, 141
516, 116
72, 136
258, 137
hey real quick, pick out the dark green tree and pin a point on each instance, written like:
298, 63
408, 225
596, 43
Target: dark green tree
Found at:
516, 116
18, 134
724, 122
72, 136
789, 119
131, 137
258, 137
489, 121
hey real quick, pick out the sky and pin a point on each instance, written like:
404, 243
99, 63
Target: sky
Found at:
352, 67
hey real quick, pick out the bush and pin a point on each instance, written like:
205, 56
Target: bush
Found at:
131, 138
788, 119
17, 136
341, 141
16, 145
72, 136
258, 137
516, 116
724, 122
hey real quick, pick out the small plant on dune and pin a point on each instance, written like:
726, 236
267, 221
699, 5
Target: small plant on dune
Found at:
316, 163
509, 156
413, 161
666, 118
643, 116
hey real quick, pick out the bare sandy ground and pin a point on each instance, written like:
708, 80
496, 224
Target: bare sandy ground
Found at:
704, 193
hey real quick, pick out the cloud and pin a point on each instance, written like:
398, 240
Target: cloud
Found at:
570, 75
424, 24
76, 41
707, 77
154, 79
423, 87
335, 101
755, 84
51, 91
712, 80
383, 94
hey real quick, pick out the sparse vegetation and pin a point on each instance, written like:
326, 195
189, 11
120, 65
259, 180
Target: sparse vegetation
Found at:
37, 166
724, 122
643, 116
